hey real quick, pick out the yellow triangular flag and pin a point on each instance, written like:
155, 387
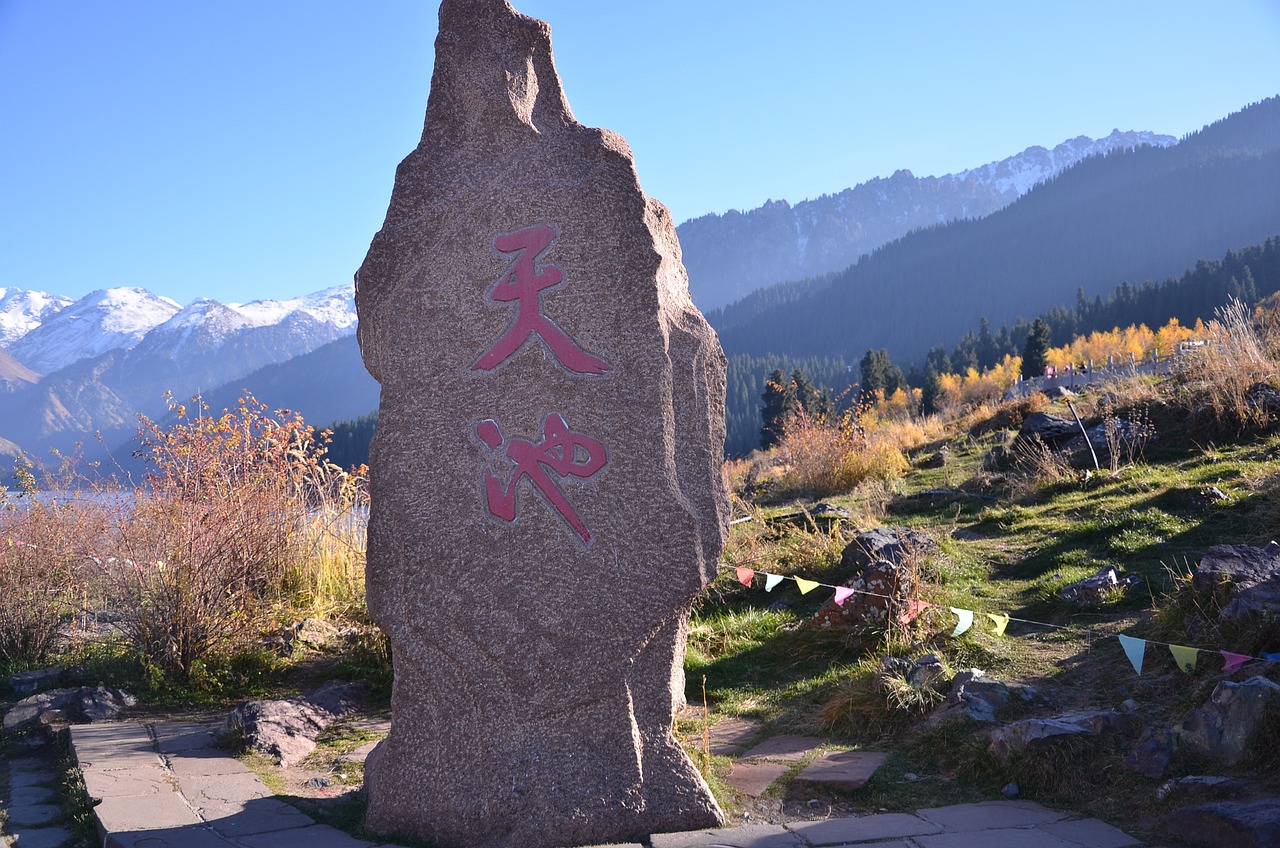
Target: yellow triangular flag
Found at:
1185, 657
806, 586
1000, 621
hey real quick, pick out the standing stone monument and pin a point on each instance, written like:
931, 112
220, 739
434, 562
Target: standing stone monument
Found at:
547, 498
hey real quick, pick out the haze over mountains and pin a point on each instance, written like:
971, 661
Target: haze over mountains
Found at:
731, 255
1002, 240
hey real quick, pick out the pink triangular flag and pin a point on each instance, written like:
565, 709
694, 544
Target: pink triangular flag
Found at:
1233, 661
842, 594
745, 576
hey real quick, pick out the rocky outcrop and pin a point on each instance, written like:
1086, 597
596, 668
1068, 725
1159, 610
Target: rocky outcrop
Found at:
1227, 824
1253, 575
287, 729
1021, 737
1225, 727
74, 705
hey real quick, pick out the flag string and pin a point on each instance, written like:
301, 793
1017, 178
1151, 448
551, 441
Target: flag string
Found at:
1184, 656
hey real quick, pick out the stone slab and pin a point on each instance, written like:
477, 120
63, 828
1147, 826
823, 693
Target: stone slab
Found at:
23, 779
1091, 833
127, 782
753, 778
185, 736
260, 815
744, 836
41, 837
32, 815
843, 770
1012, 837
121, 744
193, 836
990, 815
315, 836
730, 735
864, 828
126, 814
19, 795
205, 762
29, 766
788, 749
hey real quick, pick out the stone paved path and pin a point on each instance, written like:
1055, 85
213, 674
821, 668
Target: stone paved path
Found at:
165, 784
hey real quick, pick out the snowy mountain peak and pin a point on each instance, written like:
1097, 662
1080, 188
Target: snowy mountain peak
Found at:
1018, 173
21, 311
101, 321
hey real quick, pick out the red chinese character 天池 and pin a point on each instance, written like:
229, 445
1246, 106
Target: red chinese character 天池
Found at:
560, 451
524, 283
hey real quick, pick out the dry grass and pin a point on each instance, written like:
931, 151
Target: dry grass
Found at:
1217, 376
818, 458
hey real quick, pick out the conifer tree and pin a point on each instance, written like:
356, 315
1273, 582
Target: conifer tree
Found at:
1035, 351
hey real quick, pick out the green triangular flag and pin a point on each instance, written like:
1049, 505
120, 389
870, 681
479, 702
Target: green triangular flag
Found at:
771, 580
1134, 650
965, 622
1185, 657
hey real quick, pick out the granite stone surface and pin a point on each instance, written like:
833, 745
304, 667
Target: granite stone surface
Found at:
545, 477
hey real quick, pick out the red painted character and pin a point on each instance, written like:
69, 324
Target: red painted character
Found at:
523, 283
564, 452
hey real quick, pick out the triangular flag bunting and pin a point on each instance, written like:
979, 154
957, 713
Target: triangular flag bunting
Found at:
1000, 621
966, 620
1134, 649
806, 586
771, 580
842, 595
911, 610
745, 575
1271, 657
1233, 661
1185, 657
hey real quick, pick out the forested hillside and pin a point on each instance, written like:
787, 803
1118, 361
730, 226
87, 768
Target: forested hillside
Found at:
1131, 215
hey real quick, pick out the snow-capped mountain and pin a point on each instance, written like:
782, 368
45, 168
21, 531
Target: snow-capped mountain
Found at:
101, 321
21, 311
1018, 174
731, 255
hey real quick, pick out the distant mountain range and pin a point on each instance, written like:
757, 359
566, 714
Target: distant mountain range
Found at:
75, 370
1086, 214
731, 255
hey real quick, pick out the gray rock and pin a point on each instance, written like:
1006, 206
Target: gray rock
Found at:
939, 459
1202, 785
1099, 588
1264, 398
1010, 790
1153, 753
29, 682
897, 545
75, 704
1252, 572
287, 729
1225, 727
1019, 737
976, 697
1227, 824
1049, 429
879, 590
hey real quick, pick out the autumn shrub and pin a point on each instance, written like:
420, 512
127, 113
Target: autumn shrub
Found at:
233, 522
822, 457
45, 565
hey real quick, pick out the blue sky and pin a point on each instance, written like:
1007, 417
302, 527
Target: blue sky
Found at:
245, 149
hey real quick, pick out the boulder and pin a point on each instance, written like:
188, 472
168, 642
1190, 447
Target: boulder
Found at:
1050, 429
1099, 588
879, 591
1021, 736
1227, 824
1153, 753
29, 682
75, 704
1202, 786
976, 697
938, 459
287, 729
1225, 727
1253, 574
1264, 398
898, 545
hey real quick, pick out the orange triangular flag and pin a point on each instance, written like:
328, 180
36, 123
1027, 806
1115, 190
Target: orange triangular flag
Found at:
911, 610
745, 576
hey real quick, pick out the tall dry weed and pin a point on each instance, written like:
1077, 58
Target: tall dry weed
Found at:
1217, 376
820, 458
